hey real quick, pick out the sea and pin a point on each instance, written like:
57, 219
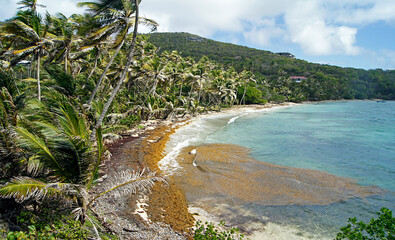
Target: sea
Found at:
295, 171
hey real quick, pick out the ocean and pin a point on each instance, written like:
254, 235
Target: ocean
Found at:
289, 172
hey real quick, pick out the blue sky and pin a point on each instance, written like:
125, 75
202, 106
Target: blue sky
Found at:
348, 33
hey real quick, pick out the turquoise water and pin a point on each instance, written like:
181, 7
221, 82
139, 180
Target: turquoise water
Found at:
353, 139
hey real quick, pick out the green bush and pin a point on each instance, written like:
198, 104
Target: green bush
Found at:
209, 232
382, 228
47, 226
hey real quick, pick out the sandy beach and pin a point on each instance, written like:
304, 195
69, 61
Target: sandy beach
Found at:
198, 175
163, 213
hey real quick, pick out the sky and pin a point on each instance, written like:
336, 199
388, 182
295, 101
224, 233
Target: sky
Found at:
347, 33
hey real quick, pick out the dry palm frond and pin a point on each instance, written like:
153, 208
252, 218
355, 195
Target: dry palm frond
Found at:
126, 182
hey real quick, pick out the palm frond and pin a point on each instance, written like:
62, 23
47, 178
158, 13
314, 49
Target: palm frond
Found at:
27, 30
75, 156
32, 141
24, 188
34, 165
126, 183
114, 128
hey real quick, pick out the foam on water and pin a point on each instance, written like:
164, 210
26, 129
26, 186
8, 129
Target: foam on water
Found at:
350, 139
193, 133
199, 130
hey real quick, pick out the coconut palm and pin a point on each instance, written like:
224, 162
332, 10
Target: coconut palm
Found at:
245, 78
125, 71
28, 34
116, 19
66, 40
9, 155
30, 5
66, 162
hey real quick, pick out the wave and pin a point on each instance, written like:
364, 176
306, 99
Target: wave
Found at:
199, 130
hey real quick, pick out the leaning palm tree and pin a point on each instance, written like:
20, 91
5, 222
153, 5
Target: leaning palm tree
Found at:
125, 71
66, 40
9, 154
66, 162
27, 35
116, 19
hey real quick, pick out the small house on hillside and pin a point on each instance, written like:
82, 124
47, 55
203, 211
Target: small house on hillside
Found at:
297, 79
286, 54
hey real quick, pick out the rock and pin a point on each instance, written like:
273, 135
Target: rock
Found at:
193, 152
99, 180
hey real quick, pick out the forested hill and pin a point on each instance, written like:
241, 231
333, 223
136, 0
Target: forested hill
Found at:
323, 81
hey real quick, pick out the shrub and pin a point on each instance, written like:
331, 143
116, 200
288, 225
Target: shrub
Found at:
209, 232
382, 228
47, 226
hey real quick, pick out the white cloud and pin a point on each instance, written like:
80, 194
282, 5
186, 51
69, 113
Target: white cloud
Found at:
203, 17
384, 58
361, 11
307, 23
263, 31
66, 7
307, 27
317, 27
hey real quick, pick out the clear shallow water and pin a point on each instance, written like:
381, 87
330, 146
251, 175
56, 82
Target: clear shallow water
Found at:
353, 139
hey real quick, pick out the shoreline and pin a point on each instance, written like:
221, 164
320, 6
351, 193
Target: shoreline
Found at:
152, 143
141, 147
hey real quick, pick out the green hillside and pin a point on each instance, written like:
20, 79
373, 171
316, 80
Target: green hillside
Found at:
323, 81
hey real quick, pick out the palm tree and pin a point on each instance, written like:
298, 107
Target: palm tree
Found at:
245, 78
66, 40
65, 162
125, 71
116, 18
28, 35
30, 5
9, 154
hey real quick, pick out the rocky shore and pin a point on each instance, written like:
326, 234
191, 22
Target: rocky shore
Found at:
159, 214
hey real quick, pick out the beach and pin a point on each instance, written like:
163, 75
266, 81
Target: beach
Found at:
211, 182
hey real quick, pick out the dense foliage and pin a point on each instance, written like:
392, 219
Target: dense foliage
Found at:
67, 84
323, 81
47, 225
381, 228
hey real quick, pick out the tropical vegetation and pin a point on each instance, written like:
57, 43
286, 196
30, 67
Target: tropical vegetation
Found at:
382, 227
323, 82
67, 83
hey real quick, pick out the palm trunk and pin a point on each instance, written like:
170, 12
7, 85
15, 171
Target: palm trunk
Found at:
123, 75
38, 77
153, 89
104, 73
181, 87
94, 67
65, 63
244, 94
